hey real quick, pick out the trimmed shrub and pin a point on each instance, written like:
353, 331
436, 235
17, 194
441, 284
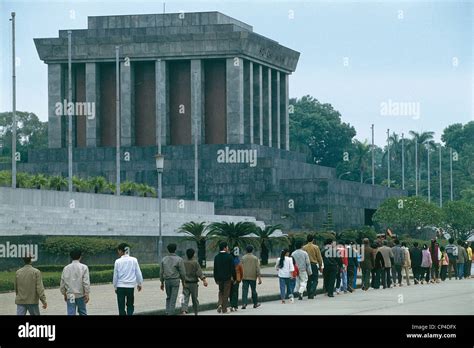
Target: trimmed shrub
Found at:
88, 245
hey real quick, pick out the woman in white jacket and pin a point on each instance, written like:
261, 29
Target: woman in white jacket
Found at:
285, 267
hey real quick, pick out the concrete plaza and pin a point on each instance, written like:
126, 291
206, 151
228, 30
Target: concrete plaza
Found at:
452, 297
446, 298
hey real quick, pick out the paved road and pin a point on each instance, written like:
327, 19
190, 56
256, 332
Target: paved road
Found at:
446, 298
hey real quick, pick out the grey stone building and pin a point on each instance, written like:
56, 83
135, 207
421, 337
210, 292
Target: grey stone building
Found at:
185, 77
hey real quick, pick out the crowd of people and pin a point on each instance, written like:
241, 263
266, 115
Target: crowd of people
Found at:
383, 263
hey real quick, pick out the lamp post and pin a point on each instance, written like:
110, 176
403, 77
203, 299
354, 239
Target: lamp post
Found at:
13, 103
340, 176
159, 161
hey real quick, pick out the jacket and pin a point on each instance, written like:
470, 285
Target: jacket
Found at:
407, 262
379, 262
29, 287
251, 266
444, 259
368, 260
314, 253
224, 269
193, 271
416, 257
387, 254
331, 259
302, 260
426, 261
462, 255
239, 270
398, 255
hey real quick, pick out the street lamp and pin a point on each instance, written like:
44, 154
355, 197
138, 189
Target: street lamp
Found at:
159, 161
340, 176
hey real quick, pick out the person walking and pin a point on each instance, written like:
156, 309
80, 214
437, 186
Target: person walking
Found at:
443, 263
398, 260
367, 264
387, 255
352, 265
416, 256
341, 281
379, 268
426, 263
251, 273
462, 259
332, 263
435, 256
172, 270
234, 289
293, 277
407, 263
452, 251
316, 262
127, 276
191, 284
75, 284
29, 289
304, 268
224, 275
468, 264
284, 266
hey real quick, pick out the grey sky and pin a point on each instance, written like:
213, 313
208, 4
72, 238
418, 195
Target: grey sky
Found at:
354, 55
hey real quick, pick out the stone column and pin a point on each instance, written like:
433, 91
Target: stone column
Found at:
162, 104
235, 100
126, 119
55, 95
197, 101
249, 137
276, 109
269, 109
286, 117
259, 82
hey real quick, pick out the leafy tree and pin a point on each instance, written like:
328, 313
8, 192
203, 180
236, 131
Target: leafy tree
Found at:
406, 215
197, 232
57, 183
31, 133
459, 218
317, 130
267, 241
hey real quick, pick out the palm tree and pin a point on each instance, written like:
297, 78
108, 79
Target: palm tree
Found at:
81, 185
57, 182
24, 180
39, 181
235, 234
144, 190
423, 140
361, 157
267, 241
99, 184
5, 178
197, 232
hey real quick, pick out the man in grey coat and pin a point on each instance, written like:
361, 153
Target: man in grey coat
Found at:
399, 260
304, 268
387, 254
172, 270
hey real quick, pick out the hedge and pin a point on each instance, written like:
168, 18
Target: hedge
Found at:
53, 279
88, 245
59, 268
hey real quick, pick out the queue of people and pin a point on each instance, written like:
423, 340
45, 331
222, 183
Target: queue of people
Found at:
383, 264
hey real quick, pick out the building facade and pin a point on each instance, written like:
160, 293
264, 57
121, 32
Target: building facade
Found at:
182, 75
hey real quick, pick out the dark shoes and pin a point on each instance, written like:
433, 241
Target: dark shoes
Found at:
244, 307
256, 305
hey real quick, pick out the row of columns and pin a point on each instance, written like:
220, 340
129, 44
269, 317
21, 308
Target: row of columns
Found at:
256, 103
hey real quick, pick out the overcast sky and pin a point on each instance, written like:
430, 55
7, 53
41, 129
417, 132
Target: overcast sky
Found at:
359, 56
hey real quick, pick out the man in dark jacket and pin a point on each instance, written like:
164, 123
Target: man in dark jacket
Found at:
224, 275
332, 263
366, 264
398, 260
416, 256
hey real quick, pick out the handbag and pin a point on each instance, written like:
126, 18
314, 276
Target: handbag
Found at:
296, 272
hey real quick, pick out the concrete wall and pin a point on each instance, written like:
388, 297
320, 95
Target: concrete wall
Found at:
48, 198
